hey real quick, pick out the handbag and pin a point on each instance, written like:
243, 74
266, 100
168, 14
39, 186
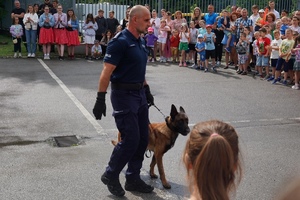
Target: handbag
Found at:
15, 41
28, 25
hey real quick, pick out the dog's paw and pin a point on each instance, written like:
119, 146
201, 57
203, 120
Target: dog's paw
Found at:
153, 176
167, 185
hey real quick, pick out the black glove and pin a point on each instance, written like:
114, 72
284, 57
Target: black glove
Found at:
149, 96
100, 106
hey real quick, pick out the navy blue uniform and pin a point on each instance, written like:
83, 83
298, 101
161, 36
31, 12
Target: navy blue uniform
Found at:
129, 103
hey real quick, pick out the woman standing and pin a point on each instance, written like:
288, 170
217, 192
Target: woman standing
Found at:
179, 20
72, 33
196, 16
46, 23
59, 30
30, 21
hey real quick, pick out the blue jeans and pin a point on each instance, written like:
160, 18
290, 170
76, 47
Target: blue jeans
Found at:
31, 40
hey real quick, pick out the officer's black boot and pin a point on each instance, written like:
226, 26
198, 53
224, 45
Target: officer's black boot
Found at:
113, 186
138, 185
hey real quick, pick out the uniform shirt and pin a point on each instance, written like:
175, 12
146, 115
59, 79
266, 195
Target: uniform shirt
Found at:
209, 42
200, 45
286, 46
129, 55
262, 43
275, 53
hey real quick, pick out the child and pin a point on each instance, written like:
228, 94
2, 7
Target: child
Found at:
297, 63
210, 40
283, 27
119, 29
174, 43
274, 55
263, 51
96, 50
192, 43
46, 38
16, 31
242, 48
72, 33
255, 51
284, 57
249, 41
202, 29
200, 48
268, 28
225, 23
162, 39
184, 41
90, 27
105, 40
211, 158
151, 39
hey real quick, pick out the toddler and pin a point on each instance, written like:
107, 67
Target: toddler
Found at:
200, 48
151, 40
16, 31
96, 50
174, 44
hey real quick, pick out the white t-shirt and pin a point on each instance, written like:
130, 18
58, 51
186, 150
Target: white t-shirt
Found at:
275, 53
254, 18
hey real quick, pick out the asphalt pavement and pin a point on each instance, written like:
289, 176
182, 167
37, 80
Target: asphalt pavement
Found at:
41, 99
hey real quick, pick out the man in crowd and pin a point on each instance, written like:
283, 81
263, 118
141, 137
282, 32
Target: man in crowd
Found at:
19, 12
102, 25
112, 22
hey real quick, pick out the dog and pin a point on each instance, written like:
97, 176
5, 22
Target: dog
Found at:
162, 137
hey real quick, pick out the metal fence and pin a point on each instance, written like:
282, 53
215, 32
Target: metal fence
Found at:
83, 7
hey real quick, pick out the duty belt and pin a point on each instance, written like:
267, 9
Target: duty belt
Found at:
126, 86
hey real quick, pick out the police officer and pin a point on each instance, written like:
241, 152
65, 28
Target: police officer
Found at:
125, 67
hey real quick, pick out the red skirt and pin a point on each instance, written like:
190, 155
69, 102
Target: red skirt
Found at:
73, 38
46, 36
60, 36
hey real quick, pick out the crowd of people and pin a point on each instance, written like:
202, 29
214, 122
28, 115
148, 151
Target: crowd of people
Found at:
262, 42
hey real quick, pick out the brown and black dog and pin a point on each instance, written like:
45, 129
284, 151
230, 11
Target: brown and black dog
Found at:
162, 137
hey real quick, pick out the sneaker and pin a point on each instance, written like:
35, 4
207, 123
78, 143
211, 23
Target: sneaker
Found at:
194, 66
29, 55
33, 55
295, 87
275, 81
201, 68
267, 77
86, 57
214, 69
113, 186
184, 64
239, 72
138, 185
284, 82
20, 55
152, 60
206, 70
218, 63
271, 78
180, 64
164, 60
48, 57
227, 49
45, 56
15, 55
244, 73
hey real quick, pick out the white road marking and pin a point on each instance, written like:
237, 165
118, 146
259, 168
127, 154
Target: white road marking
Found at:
79, 105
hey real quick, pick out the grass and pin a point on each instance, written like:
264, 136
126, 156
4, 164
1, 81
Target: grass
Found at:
7, 50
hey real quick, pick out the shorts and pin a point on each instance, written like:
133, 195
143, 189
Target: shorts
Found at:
183, 46
296, 66
242, 58
227, 33
192, 47
286, 65
174, 51
210, 54
162, 40
202, 57
89, 39
273, 62
262, 61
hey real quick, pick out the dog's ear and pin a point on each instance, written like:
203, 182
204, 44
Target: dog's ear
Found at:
174, 112
181, 109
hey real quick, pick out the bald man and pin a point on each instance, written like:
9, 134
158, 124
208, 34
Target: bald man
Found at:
125, 67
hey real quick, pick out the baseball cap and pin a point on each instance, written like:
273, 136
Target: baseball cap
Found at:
150, 29
200, 36
261, 11
208, 26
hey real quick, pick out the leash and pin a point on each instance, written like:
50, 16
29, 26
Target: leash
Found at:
160, 111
